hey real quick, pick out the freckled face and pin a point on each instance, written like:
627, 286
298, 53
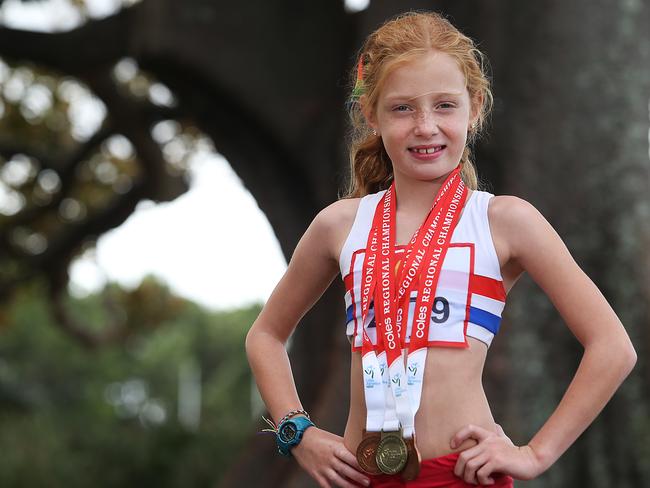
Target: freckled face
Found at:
423, 115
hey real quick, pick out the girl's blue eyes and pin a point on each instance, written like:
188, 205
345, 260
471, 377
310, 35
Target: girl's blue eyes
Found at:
402, 108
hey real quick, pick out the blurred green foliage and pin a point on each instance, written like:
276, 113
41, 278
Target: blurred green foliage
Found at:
73, 417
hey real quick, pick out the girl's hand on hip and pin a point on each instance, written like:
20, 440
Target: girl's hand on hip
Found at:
325, 458
494, 453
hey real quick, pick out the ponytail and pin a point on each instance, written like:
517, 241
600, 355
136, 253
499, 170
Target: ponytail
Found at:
468, 170
370, 166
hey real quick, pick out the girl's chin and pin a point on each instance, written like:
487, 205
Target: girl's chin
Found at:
425, 172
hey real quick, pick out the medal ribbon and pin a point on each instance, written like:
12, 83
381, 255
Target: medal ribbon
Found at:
413, 260
391, 306
445, 222
372, 371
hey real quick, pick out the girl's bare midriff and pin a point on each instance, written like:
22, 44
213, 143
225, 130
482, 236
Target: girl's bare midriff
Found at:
452, 397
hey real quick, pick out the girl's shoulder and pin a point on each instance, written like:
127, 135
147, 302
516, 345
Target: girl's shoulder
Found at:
513, 222
508, 210
336, 220
339, 213
502, 205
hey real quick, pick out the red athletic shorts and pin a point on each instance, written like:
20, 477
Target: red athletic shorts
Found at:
436, 473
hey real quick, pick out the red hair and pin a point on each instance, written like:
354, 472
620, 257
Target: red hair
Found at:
397, 41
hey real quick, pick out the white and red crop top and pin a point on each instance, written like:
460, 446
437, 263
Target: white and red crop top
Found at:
470, 295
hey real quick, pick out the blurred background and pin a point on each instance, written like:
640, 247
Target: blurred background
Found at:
160, 160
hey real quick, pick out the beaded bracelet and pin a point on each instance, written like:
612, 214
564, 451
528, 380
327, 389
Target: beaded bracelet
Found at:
292, 414
274, 427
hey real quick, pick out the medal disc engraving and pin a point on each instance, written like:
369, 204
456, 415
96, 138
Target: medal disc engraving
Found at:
391, 453
367, 451
412, 468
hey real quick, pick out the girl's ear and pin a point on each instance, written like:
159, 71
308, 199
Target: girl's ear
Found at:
368, 113
477, 103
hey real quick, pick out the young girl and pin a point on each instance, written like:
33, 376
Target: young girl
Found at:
427, 260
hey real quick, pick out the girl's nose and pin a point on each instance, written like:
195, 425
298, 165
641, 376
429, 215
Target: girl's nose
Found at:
425, 124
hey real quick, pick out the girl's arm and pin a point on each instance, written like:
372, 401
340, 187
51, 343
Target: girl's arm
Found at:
608, 357
312, 268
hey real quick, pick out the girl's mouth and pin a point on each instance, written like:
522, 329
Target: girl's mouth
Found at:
428, 150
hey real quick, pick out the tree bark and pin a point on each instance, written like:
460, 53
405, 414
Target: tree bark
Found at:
571, 136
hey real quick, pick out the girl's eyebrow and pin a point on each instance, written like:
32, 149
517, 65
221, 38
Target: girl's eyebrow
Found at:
408, 98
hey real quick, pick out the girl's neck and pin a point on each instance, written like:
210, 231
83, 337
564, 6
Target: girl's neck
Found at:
416, 197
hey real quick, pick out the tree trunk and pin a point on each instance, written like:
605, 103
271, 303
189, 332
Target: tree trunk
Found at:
571, 136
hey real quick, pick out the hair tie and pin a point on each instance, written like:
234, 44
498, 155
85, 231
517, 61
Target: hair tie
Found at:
357, 91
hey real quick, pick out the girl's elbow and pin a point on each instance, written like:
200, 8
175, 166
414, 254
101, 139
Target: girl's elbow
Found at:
631, 357
618, 352
260, 337
249, 342
627, 356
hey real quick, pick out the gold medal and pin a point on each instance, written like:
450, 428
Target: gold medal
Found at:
391, 453
412, 468
366, 452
